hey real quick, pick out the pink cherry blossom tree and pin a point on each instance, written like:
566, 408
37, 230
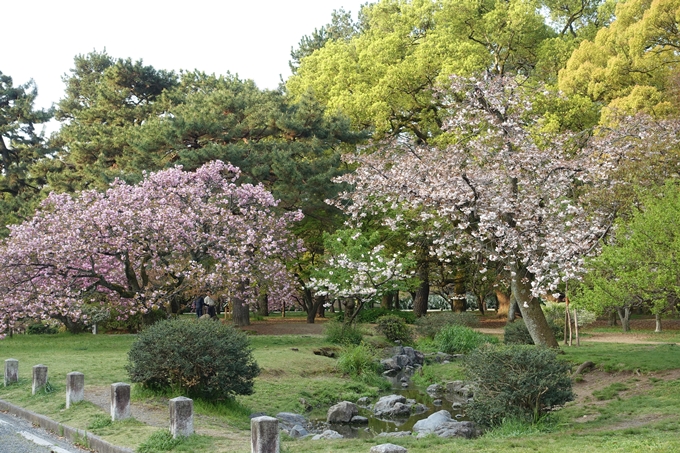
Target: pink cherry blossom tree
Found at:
134, 247
502, 189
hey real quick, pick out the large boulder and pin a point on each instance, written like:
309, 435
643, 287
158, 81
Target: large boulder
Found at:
392, 406
288, 420
342, 412
460, 388
441, 424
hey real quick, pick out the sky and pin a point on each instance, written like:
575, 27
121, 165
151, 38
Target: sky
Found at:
251, 38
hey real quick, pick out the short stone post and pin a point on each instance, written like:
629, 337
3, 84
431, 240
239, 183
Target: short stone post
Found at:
120, 401
75, 388
264, 435
39, 377
11, 371
181, 416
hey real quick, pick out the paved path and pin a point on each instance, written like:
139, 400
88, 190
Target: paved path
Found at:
19, 436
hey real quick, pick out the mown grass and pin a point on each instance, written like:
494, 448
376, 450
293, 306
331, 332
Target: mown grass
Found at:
293, 379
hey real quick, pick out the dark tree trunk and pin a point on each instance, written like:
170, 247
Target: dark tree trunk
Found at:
263, 305
513, 310
350, 305
387, 301
321, 311
624, 316
612, 319
459, 300
423, 293
311, 304
531, 310
240, 313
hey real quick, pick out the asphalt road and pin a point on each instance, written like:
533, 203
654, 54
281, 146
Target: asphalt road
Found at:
19, 436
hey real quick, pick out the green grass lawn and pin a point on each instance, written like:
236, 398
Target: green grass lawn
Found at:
293, 378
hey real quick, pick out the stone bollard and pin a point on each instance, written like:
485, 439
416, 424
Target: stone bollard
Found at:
75, 388
264, 435
39, 377
181, 416
120, 401
11, 371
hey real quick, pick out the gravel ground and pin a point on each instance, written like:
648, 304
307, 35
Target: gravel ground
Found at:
19, 436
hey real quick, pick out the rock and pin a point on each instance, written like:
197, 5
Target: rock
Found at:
359, 420
415, 357
297, 432
342, 412
456, 405
328, 434
435, 390
419, 409
390, 364
392, 406
256, 414
441, 424
364, 401
388, 448
390, 373
437, 402
459, 388
395, 434
288, 420
404, 384
327, 351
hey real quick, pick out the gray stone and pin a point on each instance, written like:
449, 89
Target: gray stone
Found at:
435, 390
182, 416
441, 424
437, 402
395, 434
120, 401
390, 364
364, 401
342, 412
419, 408
386, 403
75, 388
359, 420
460, 388
288, 420
264, 435
11, 371
328, 434
39, 378
388, 448
298, 431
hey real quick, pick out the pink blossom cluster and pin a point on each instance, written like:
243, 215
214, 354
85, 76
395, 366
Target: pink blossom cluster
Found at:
135, 246
503, 188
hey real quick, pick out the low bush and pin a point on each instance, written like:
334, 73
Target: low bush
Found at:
201, 358
522, 382
517, 333
371, 315
430, 325
357, 360
394, 329
461, 340
39, 328
338, 332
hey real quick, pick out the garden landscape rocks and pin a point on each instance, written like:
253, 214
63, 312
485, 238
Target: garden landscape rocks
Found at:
388, 448
402, 358
328, 434
288, 420
441, 424
392, 406
342, 412
297, 432
460, 388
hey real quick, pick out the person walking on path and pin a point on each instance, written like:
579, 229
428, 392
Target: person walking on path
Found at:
210, 303
198, 303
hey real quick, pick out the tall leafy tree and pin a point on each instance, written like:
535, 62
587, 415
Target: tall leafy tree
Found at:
21, 148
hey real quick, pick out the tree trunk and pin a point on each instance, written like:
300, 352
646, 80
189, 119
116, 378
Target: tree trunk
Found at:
321, 309
531, 310
350, 304
311, 304
657, 318
240, 312
459, 300
263, 305
423, 292
387, 301
612, 319
624, 316
503, 306
513, 310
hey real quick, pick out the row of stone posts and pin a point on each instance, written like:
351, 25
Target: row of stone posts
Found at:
264, 430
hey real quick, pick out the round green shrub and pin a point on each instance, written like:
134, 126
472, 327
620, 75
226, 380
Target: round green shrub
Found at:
201, 358
371, 315
430, 325
394, 329
38, 328
517, 333
521, 382
461, 340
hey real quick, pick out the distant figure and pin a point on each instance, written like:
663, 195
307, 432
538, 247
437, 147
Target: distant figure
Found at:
210, 303
198, 303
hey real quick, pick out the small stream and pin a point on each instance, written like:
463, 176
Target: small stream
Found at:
377, 425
